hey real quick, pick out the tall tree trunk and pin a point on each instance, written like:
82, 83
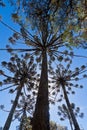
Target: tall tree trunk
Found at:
75, 123
10, 116
41, 114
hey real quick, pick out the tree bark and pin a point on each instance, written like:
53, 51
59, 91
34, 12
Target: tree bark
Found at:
10, 116
22, 123
41, 114
70, 120
75, 123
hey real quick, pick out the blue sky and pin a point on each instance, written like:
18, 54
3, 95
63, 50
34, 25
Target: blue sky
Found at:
79, 98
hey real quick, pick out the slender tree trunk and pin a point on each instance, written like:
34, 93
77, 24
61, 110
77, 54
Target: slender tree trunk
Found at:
76, 125
41, 114
70, 120
10, 116
23, 119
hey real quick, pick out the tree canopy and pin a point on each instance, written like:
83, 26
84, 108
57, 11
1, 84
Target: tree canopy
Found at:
53, 20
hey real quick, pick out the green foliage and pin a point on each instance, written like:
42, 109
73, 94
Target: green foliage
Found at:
54, 19
53, 126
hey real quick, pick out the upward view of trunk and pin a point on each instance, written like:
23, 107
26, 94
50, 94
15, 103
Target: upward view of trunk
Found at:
21, 127
41, 114
70, 120
75, 123
10, 116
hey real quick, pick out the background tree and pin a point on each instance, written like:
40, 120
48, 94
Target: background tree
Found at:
25, 110
62, 79
64, 113
53, 126
23, 76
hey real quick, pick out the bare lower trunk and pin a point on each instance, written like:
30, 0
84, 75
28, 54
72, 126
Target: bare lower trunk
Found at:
41, 114
10, 116
70, 120
75, 123
23, 118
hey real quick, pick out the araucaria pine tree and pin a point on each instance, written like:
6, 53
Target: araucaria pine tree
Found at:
23, 76
46, 26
